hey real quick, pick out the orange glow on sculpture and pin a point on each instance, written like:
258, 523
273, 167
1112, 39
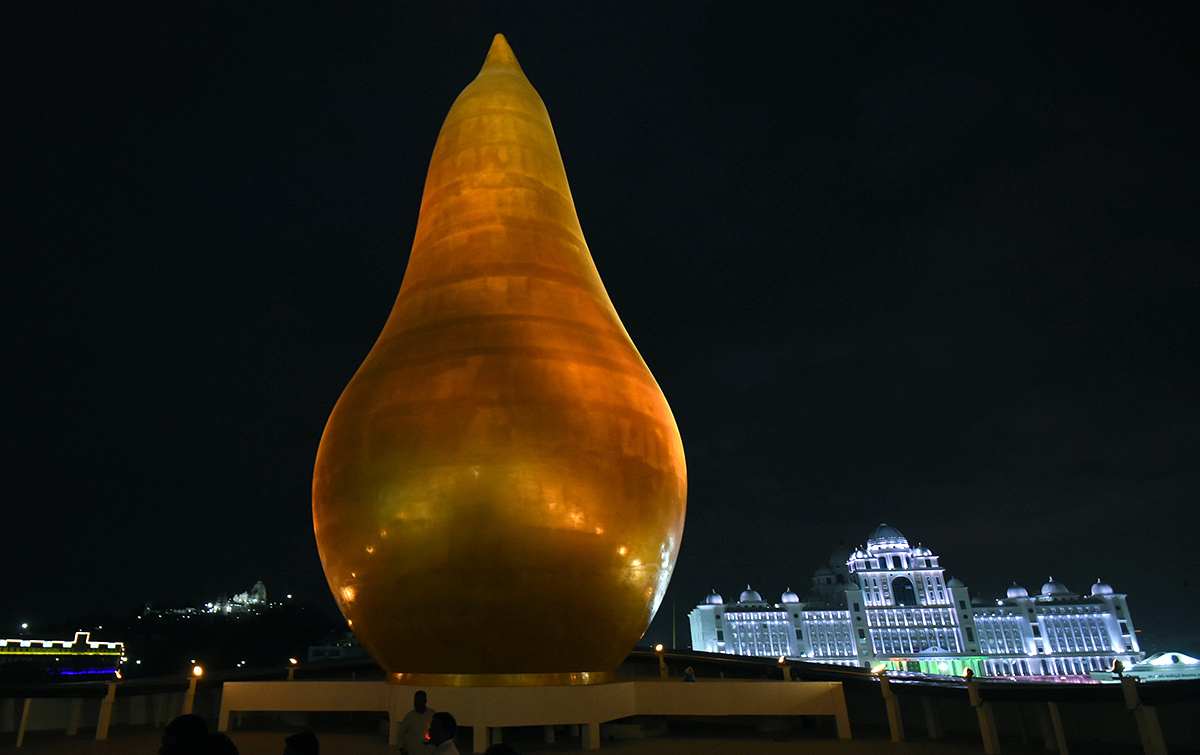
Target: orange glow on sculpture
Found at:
499, 493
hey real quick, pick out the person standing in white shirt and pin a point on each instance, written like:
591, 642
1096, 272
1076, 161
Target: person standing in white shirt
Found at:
441, 734
414, 729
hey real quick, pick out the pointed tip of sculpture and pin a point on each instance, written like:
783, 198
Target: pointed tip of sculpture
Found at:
500, 56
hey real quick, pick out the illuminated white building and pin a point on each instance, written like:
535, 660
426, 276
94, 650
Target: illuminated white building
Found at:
243, 602
890, 602
252, 601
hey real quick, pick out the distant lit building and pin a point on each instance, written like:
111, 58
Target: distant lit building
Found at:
252, 601
70, 660
244, 602
889, 602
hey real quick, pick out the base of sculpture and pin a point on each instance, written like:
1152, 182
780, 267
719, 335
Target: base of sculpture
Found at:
487, 711
566, 679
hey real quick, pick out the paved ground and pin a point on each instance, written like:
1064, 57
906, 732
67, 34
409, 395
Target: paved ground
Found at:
690, 740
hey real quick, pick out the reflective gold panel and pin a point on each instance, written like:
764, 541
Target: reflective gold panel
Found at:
500, 490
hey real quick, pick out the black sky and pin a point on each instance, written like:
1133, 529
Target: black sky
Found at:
928, 264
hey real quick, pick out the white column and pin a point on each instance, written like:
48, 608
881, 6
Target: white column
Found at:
591, 736
1060, 737
106, 707
24, 721
933, 723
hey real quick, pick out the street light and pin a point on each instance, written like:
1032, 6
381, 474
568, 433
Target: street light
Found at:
190, 697
662, 661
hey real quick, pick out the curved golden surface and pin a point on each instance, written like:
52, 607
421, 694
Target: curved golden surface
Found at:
500, 490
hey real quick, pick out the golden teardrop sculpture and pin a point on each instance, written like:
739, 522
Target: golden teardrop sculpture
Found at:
499, 493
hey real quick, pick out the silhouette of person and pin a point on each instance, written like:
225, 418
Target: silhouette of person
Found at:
442, 728
414, 728
689, 674
304, 743
184, 736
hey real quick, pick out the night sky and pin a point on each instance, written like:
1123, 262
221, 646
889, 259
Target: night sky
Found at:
930, 265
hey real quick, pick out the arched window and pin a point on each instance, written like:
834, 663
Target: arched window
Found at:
906, 594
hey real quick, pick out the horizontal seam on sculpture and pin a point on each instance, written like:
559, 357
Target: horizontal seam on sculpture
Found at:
451, 193
527, 115
591, 405
519, 179
477, 321
529, 226
523, 271
635, 369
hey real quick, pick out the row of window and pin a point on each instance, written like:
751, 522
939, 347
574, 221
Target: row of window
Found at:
910, 617
755, 616
895, 562
902, 591
1075, 634
914, 641
1000, 634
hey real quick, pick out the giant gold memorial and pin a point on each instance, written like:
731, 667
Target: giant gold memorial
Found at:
499, 493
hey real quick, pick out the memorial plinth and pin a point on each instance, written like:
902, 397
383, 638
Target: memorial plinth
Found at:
486, 710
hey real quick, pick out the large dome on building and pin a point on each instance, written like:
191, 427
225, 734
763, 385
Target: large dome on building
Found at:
789, 597
749, 596
1055, 588
887, 537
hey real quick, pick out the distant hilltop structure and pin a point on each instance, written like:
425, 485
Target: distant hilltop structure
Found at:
243, 602
253, 600
889, 602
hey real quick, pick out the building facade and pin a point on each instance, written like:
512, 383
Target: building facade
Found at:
889, 602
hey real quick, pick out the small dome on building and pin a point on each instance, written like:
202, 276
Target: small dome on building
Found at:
789, 597
1102, 588
749, 596
841, 557
1054, 588
714, 599
824, 571
955, 582
1016, 591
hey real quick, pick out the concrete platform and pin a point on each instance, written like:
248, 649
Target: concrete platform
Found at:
489, 710
706, 741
